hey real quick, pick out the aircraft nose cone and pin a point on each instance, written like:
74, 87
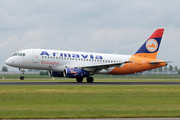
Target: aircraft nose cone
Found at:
8, 62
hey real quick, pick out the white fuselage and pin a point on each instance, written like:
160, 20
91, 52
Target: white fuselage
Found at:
58, 60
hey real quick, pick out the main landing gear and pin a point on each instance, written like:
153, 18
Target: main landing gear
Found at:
22, 76
88, 79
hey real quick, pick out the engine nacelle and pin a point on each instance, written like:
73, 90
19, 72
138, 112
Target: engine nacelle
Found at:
56, 74
75, 73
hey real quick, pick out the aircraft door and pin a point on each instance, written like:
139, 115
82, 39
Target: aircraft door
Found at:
35, 56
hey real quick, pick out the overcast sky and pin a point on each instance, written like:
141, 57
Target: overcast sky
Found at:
108, 26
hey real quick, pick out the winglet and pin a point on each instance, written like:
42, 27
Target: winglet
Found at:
150, 48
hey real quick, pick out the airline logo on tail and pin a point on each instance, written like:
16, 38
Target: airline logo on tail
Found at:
151, 45
150, 48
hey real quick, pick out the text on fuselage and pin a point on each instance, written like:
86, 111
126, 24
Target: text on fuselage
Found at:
74, 55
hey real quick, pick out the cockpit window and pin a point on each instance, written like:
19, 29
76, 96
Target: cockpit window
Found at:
19, 54
15, 54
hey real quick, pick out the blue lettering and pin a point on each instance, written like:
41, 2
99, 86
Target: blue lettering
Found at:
69, 55
98, 57
61, 54
44, 53
91, 56
65, 55
54, 54
84, 56
75, 55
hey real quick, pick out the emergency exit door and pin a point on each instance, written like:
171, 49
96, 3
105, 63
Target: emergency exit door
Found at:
35, 56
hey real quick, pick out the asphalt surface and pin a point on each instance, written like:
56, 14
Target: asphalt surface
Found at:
94, 83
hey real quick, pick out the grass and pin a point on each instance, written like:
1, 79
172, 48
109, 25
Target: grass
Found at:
97, 78
28, 102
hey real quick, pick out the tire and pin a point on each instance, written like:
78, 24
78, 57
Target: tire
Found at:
22, 77
90, 79
79, 80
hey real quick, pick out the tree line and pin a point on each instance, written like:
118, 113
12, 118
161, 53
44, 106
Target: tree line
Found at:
169, 68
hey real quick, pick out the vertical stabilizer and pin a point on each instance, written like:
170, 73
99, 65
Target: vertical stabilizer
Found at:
150, 48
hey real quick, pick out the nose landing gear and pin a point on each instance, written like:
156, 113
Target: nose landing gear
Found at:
22, 76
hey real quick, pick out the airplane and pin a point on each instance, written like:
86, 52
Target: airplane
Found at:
79, 65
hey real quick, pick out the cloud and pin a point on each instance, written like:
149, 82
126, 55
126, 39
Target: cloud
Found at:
116, 26
8, 44
33, 39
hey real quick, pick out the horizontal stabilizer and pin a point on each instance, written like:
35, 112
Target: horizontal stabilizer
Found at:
153, 62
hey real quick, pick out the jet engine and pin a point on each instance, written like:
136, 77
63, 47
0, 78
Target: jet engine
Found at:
75, 73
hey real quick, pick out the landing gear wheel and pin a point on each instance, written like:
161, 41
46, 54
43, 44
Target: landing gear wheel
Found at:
22, 77
90, 79
22, 71
79, 80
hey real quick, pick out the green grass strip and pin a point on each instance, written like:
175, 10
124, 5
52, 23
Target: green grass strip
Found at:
28, 102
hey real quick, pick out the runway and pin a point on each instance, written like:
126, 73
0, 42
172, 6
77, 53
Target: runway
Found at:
84, 83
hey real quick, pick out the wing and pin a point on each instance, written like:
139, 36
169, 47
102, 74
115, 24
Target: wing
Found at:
106, 65
100, 66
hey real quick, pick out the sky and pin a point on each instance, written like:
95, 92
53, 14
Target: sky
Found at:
107, 26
